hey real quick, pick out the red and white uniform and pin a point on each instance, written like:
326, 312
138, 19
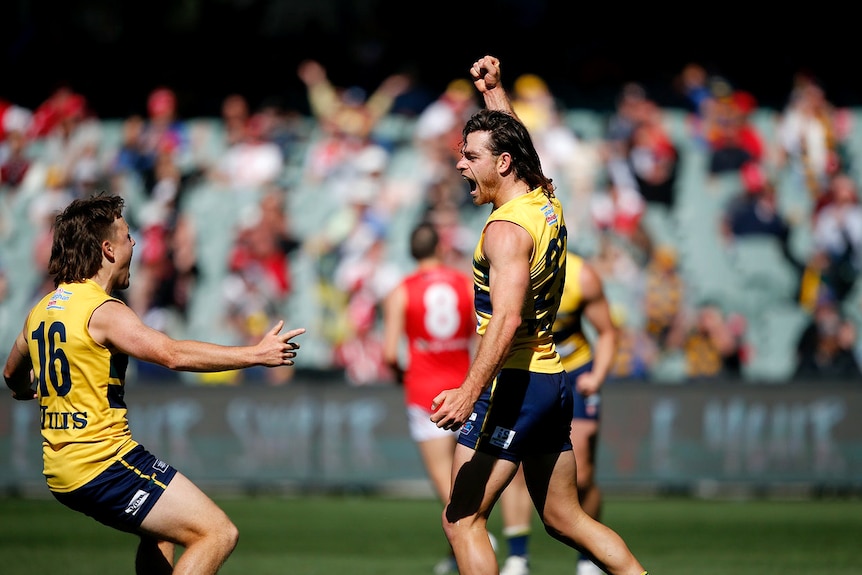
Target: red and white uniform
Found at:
439, 322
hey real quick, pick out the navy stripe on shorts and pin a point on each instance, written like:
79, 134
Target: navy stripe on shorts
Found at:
123, 494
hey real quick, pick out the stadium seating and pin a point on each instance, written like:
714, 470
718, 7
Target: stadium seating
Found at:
748, 276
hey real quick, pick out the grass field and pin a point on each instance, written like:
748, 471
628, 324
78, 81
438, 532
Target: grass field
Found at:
365, 535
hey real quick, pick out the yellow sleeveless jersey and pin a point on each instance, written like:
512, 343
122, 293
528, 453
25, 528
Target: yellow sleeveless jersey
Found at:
572, 345
533, 347
80, 385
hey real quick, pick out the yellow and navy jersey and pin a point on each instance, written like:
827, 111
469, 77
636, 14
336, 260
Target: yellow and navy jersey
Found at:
572, 344
542, 217
80, 384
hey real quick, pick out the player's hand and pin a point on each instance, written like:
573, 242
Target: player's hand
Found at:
277, 348
486, 73
451, 408
588, 384
24, 395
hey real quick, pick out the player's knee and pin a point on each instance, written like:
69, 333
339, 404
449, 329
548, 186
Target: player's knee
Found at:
230, 536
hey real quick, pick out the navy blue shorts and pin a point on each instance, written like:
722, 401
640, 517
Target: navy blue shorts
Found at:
585, 407
123, 494
521, 413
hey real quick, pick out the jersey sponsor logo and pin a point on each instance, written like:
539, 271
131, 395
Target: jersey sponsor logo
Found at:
62, 419
60, 295
550, 214
136, 502
502, 437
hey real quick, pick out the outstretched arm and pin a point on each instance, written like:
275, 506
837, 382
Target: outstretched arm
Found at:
116, 326
486, 77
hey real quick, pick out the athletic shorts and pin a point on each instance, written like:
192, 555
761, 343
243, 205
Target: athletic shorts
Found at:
123, 494
585, 407
421, 426
521, 413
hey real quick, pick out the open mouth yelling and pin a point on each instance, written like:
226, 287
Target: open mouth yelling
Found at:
472, 184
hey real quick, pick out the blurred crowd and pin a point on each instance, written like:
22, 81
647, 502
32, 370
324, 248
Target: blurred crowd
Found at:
728, 236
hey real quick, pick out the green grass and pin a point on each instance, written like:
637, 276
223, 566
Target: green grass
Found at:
365, 535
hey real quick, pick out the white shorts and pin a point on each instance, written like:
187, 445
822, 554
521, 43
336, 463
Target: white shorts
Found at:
421, 426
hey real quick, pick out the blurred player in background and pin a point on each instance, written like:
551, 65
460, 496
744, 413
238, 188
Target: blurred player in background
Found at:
433, 309
588, 367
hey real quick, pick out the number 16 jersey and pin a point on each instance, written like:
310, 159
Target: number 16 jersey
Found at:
80, 384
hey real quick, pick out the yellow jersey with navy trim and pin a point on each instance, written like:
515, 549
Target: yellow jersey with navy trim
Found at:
80, 384
542, 217
572, 344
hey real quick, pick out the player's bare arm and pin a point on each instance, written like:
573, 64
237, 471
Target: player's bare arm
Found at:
118, 327
508, 248
597, 311
17, 371
393, 327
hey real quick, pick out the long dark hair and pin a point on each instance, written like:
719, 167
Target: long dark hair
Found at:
79, 230
508, 134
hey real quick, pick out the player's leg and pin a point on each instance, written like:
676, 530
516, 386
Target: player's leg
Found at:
154, 556
551, 480
517, 512
477, 481
437, 456
584, 436
437, 449
186, 516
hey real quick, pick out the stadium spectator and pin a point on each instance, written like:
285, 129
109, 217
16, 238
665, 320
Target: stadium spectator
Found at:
58, 112
166, 269
826, 348
721, 120
70, 135
235, 112
712, 342
638, 151
364, 276
755, 212
664, 294
432, 310
129, 159
733, 139
251, 163
575, 160
653, 158
811, 135
15, 160
636, 354
264, 240
837, 233
436, 136
258, 283
98, 468
164, 131
346, 117
618, 210
515, 261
